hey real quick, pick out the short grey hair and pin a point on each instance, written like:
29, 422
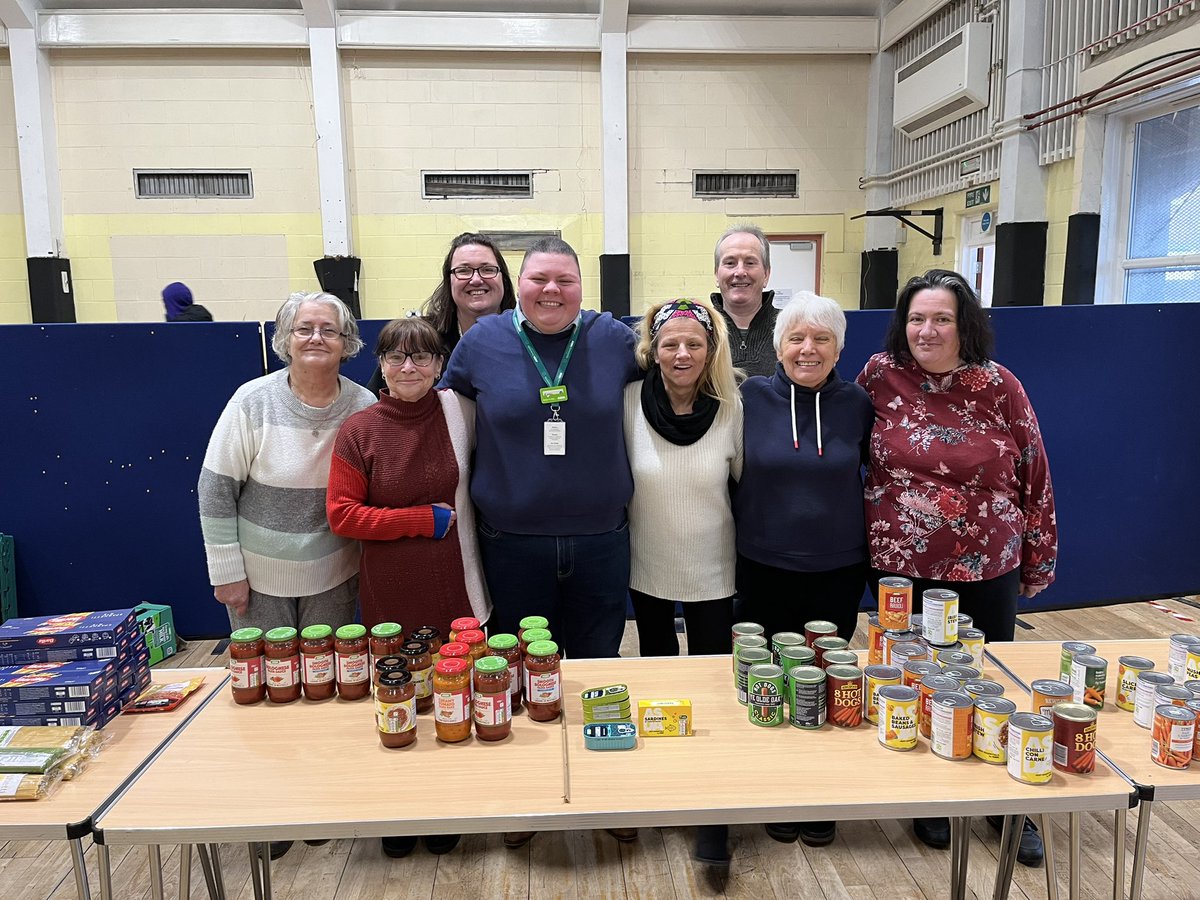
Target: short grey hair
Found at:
743, 228
807, 308
286, 318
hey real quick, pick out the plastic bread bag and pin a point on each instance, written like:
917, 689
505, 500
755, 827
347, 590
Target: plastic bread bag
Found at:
29, 787
67, 738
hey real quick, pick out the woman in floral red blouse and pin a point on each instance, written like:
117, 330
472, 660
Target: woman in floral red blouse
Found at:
958, 489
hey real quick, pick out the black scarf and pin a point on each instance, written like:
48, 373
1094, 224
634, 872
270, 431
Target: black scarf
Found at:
681, 430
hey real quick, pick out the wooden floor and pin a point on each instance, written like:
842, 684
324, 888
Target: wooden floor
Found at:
868, 859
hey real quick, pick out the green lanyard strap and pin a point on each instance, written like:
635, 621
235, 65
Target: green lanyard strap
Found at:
537, 360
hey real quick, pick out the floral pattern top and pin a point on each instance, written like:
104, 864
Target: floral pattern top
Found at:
958, 486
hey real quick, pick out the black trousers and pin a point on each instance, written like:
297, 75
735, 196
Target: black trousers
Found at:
709, 624
991, 603
783, 600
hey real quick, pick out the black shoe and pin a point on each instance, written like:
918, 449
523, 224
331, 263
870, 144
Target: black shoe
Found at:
441, 843
279, 848
784, 832
1030, 851
933, 832
712, 846
320, 843
398, 847
818, 834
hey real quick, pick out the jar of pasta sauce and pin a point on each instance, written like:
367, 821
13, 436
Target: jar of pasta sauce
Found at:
492, 711
475, 641
389, 664
246, 665
282, 651
395, 712
419, 662
386, 638
531, 622
430, 636
457, 650
543, 681
352, 658
505, 646
452, 700
527, 636
317, 663
466, 623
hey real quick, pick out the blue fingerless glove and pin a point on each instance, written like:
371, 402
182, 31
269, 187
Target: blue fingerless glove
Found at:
441, 521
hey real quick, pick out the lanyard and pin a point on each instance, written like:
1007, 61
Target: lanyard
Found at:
537, 360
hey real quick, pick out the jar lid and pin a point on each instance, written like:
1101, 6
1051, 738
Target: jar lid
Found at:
542, 648
536, 634
395, 678
281, 634
414, 648
425, 633
454, 649
491, 664
245, 635
534, 622
389, 664
350, 632
464, 624
501, 642
316, 632
452, 666
386, 629
471, 636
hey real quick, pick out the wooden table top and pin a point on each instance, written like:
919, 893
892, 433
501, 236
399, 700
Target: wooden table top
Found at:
1117, 736
131, 741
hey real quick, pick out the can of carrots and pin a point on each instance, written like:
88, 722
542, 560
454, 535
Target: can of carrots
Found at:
1089, 675
1173, 736
1074, 738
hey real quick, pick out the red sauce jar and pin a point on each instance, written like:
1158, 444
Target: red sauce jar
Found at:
527, 636
476, 641
419, 662
282, 652
543, 681
317, 663
350, 648
456, 650
505, 646
466, 623
395, 712
530, 623
491, 706
386, 638
389, 664
430, 636
246, 665
452, 700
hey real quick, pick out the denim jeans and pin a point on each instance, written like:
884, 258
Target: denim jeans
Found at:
579, 582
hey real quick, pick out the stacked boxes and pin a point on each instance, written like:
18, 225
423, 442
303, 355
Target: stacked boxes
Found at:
157, 625
76, 669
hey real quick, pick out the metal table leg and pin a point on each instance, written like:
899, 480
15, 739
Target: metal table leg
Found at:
80, 868
1074, 873
960, 835
955, 837
156, 876
210, 879
265, 849
215, 850
255, 869
104, 867
1010, 840
1047, 826
1145, 809
185, 871
1119, 854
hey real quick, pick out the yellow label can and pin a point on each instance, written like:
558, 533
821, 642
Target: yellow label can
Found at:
1030, 747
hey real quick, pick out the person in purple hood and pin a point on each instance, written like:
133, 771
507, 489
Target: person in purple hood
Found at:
177, 298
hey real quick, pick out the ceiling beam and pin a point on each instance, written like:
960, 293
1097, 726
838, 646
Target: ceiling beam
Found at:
319, 13
18, 13
904, 17
468, 31
614, 16
160, 28
753, 34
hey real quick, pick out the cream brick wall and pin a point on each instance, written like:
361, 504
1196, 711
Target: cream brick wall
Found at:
14, 277
1060, 179
916, 253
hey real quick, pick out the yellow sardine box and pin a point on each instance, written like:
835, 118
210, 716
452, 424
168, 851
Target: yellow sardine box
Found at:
664, 718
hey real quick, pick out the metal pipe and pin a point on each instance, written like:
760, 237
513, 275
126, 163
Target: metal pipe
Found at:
1048, 852
1145, 810
1119, 854
210, 880
1073, 890
104, 867
1134, 90
964, 852
1174, 61
185, 871
265, 849
80, 868
218, 874
1147, 20
156, 878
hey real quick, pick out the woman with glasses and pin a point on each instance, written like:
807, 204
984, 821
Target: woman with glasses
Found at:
475, 283
271, 558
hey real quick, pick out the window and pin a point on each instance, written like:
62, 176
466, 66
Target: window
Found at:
194, 183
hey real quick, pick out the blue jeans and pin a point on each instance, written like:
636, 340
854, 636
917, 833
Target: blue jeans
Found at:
579, 582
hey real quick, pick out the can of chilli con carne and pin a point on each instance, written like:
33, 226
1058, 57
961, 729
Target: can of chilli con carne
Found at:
930, 685
951, 724
1070, 649
916, 669
844, 695
1074, 738
897, 723
765, 695
1030, 747
806, 697
1144, 698
1128, 668
1046, 692
990, 742
878, 677
895, 603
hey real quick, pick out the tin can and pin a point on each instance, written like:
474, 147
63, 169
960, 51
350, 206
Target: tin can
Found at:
1128, 668
916, 669
981, 687
1070, 649
747, 629
839, 658
818, 628
874, 640
964, 621
951, 724
1173, 738
939, 616
962, 673
897, 721
930, 685
827, 642
749, 656
790, 657
1193, 686
891, 639
1172, 695
878, 677
747, 640
1148, 684
1030, 747
1191, 665
1045, 692
916, 623
902, 654
1194, 706
765, 695
782, 639
1181, 646
944, 656
972, 640
1089, 675
990, 721
895, 603
1074, 738
844, 692
806, 697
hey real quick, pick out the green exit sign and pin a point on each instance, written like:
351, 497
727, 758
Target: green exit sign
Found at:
979, 196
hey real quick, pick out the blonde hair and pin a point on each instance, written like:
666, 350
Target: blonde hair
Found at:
719, 380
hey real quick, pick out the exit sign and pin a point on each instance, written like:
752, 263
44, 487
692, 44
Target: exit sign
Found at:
979, 196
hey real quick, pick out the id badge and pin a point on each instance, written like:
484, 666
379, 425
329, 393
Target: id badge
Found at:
554, 438
556, 394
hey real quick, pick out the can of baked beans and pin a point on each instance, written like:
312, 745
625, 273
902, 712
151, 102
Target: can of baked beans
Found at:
844, 695
782, 639
790, 657
878, 677
1030, 747
904, 653
949, 656
749, 656
1070, 649
897, 723
982, 687
895, 603
962, 673
1181, 646
827, 642
972, 640
874, 640
930, 685
1045, 692
951, 724
1144, 701
1172, 694
756, 641
1173, 738
939, 611
1194, 706
916, 669
990, 742
891, 639
806, 697
818, 628
765, 695
1089, 675
1074, 738
1128, 668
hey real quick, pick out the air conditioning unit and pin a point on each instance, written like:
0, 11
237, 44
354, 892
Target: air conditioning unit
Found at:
945, 83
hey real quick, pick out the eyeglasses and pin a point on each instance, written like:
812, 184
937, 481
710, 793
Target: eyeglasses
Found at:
420, 358
464, 273
304, 332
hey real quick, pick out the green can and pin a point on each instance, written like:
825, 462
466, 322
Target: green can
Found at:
747, 640
747, 657
781, 639
1071, 649
806, 697
790, 657
765, 695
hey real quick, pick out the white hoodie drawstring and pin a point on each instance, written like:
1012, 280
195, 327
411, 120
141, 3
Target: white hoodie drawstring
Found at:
795, 436
795, 439
820, 445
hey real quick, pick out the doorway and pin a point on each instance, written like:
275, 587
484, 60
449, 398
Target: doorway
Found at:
795, 265
977, 260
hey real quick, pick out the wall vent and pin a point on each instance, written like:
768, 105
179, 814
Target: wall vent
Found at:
945, 83
162, 184
476, 185
714, 185
519, 241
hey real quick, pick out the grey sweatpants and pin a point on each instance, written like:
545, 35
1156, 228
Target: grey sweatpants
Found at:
334, 607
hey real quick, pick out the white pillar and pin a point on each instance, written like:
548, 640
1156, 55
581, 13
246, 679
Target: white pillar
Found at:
37, 144
1022, 178
331, 140
880, 230
614, 120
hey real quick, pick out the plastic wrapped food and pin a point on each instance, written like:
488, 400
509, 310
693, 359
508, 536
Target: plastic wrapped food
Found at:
164, 697
31, 760
74, 765
29, 787
68, 738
